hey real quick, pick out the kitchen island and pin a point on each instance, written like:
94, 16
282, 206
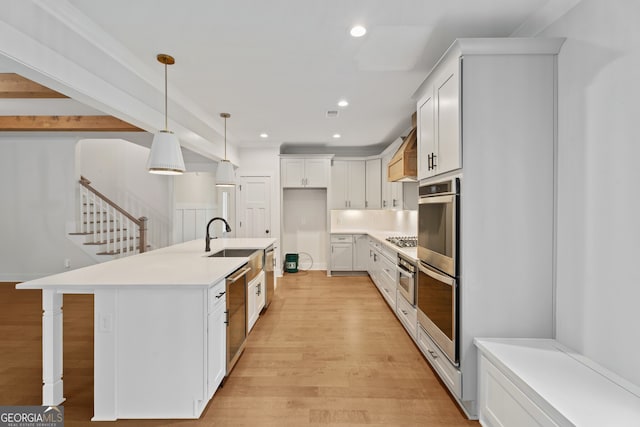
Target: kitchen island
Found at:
150, 328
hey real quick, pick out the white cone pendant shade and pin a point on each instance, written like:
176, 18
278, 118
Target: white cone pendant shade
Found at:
225, 176
165, 157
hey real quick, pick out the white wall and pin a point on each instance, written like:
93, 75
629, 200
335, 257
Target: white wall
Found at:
37, 190
304, 228
598, 281
117, 169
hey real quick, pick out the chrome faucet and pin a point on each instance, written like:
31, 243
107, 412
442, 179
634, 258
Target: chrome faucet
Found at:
207, 239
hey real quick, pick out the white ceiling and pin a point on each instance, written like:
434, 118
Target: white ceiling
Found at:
278, 65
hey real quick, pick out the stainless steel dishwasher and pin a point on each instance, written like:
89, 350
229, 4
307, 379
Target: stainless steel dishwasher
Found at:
269, 267
236, 315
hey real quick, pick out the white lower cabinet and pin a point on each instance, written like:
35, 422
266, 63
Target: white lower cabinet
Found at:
449, 374
255, 299
216, 338
408, 315
349, 252
360, 252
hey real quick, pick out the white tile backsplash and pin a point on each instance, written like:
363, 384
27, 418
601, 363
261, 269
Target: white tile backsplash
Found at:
400, 222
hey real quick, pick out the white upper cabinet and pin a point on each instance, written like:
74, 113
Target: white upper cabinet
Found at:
348, 184
305, 172
439, 120
373, 181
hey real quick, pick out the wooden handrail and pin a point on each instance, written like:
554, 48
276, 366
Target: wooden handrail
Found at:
141, 222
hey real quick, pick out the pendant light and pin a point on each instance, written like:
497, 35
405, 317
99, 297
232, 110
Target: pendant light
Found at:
225, 177
165, 157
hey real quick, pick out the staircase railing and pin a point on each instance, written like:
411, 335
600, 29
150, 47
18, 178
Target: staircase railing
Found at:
109, 224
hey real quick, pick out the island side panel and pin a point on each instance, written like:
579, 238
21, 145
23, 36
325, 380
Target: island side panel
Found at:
105, 354
161, 348
52, 389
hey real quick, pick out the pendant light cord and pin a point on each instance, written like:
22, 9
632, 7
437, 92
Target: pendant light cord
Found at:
166, 109
225, 138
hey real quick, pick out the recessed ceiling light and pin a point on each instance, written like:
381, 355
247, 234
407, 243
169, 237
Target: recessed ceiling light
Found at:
358, 31
264, 135
336, 135
343, 103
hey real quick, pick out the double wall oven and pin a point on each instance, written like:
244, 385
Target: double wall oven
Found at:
438, 277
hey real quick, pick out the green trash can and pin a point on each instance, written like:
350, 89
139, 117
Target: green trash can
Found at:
291, 263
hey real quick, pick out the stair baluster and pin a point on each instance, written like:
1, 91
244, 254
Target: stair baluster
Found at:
109, 224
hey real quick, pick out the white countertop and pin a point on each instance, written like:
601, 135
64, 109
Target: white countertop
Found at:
583, 392
182, 264
411, 253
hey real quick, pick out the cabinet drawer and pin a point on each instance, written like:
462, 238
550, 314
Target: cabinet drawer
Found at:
341, 238
407, 314
449, 374
216, 295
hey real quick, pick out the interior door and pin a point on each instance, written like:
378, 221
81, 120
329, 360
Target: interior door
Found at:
254, 219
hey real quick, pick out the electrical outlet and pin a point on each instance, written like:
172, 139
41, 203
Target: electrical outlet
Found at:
67, 263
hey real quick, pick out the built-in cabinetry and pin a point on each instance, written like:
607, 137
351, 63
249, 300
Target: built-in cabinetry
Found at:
383, 270
216, 337
298, 172
255, 299
355, 184
439, 144
373, 191
539, 382
348, 184
349, 252
485, 111
408, 315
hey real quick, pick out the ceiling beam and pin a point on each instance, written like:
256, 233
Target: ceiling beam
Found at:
65, 124
15, 86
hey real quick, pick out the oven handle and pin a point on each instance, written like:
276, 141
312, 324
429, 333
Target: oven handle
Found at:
407, 273
436, 275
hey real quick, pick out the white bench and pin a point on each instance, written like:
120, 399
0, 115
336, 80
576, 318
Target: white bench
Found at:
539, 382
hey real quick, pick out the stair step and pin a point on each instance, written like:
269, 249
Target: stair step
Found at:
99, 222
117, 252
110, 241
86, 233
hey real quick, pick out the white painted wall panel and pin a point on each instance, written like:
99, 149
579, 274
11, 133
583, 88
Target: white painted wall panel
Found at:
37, 190
598, 282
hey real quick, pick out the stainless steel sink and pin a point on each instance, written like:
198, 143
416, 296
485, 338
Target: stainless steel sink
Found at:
256, 259
226, 253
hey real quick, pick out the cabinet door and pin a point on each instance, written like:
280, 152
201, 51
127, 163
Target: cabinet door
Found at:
371, 263
342, 256
386, 185
316, 172
216, 347
426, 136
292, 172
373, 184
356, 184
447, 90
361, 253
261, 294
252, 304
395, 195
339, 174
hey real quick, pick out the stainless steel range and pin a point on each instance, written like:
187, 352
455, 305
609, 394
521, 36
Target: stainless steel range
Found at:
404, 241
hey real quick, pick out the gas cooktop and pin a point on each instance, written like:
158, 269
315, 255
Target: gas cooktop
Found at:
404, 241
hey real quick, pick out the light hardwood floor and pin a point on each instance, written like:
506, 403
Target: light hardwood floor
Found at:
328, 351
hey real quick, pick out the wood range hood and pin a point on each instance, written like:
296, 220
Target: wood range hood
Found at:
403, 166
